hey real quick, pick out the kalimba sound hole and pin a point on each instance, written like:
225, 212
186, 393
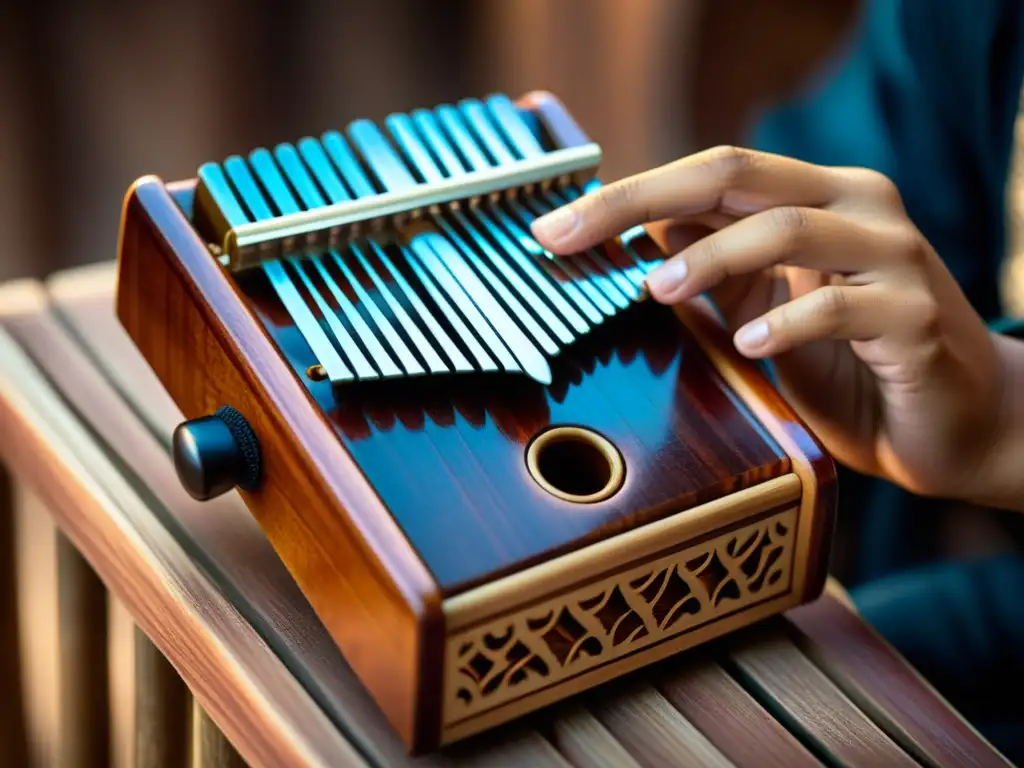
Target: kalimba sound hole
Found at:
575, 464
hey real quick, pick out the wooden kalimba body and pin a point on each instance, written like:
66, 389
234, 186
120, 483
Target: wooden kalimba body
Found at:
499, 478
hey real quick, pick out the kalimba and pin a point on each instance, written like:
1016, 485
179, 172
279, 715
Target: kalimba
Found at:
499, 477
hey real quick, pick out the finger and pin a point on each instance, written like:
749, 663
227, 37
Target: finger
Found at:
726, 180
812, 238
850, 313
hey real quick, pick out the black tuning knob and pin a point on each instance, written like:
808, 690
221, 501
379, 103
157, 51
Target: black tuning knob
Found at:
216, 453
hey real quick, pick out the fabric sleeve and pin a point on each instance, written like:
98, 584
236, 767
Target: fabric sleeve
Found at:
926, 92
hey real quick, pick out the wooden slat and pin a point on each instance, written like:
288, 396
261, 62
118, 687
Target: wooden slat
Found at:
13, 735
714, 702
697, 711
655, 732
586, 742
210, 749
885, 686
168, 594
815, 707
233, 548
162, 709
84, 699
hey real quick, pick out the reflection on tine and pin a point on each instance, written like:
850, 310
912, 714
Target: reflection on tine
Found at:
282, 197
461, 285
480, 125
450, 268
563, 275
298, 310
519, 137
452, 166
404, 134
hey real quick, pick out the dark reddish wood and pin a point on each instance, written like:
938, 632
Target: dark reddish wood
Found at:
447, 457
344, 549
864, 665
562, 129
384, 500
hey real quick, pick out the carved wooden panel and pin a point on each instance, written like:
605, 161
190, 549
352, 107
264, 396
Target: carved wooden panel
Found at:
549, 642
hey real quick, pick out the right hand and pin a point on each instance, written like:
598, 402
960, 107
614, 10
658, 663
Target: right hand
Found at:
821, 269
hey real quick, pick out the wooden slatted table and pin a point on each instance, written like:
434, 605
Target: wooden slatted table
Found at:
182, 640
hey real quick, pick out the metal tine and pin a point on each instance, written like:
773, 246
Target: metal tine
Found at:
338, 150
575, 285
562, 277
360, 184
623, 283
313, 153
624, 239
475, 114
263, 163
634, 271
311, 197
322, 348
447, 264
404, 133
438, 143
458, 360
509, 121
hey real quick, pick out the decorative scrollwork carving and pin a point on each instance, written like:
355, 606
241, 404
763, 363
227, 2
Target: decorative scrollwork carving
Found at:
558, 638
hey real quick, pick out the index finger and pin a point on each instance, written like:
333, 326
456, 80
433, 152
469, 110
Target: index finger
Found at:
726, 179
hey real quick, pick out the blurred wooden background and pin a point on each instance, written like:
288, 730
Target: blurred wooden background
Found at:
93, 95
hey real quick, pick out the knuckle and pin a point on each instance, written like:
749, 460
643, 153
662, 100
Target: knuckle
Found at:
878, 186
928, 315
907, 244
830, 305
791, 222
707, 259
730, 162
617, 197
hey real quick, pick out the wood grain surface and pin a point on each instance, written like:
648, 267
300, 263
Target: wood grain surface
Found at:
355, 566
205, 584
108, 517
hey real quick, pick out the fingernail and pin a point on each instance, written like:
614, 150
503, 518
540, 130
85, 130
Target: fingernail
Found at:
668, 276
557, 225
753, 335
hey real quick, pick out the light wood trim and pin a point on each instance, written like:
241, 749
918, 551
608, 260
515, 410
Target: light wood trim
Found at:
582, 565
601, 675
834, 589
84, 693
227, 666
161, 709
741, 385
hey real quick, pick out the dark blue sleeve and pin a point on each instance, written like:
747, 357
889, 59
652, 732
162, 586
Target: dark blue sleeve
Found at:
926, 91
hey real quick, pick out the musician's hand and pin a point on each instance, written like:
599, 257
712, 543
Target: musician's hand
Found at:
820, 269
